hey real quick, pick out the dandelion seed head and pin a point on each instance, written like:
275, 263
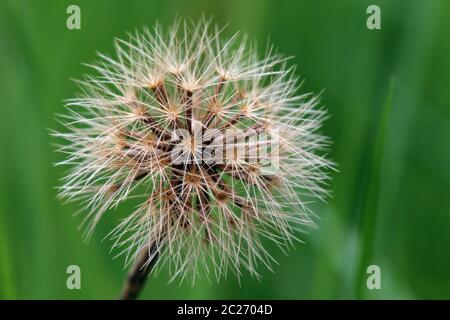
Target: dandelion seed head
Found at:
132, 132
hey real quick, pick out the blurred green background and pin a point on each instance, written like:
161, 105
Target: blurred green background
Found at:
387, 92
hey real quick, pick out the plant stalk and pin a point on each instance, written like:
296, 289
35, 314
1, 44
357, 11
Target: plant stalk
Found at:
139, 273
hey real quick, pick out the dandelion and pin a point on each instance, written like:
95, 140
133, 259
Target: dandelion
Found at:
210, 138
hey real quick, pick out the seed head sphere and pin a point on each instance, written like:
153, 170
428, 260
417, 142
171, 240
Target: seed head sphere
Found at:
209, 140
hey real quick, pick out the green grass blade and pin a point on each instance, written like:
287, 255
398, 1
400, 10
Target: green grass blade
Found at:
370, 205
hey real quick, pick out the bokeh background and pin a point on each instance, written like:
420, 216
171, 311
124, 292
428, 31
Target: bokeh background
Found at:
387, 92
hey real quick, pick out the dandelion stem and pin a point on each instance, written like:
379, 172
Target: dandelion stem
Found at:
138, 275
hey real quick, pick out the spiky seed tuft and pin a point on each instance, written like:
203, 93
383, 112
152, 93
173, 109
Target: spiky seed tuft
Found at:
132, 132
